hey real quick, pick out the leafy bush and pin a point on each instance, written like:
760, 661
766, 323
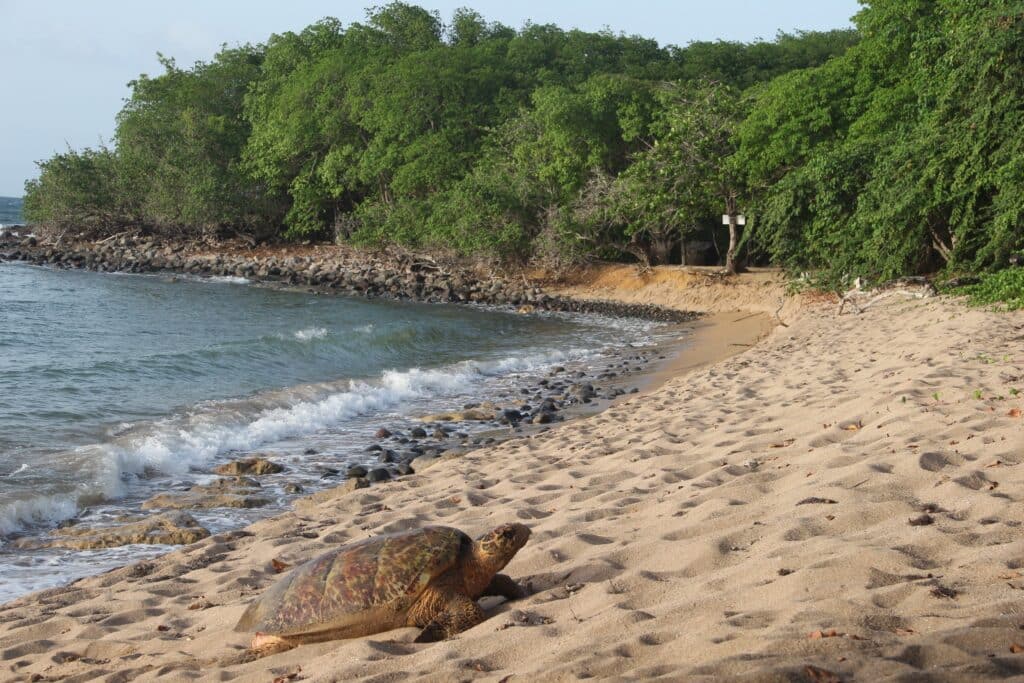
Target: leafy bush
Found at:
1003, 289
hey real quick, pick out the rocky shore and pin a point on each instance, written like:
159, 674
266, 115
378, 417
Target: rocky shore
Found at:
268, 481
327, 268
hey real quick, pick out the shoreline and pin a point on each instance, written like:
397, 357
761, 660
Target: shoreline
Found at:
108, 535
839, 501
323, 268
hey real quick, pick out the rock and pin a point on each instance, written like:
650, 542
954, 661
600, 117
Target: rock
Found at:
293, 488
467, 415
355, 483
583, 392
309, 451
382, 433
405, 468
204, 498
250, 466
169, 528
229, 484
418, 433
378, 474
355, 471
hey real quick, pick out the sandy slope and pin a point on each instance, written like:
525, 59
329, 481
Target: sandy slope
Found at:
748, 520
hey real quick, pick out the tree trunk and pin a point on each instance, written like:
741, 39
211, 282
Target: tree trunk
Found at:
734, 236
730, 255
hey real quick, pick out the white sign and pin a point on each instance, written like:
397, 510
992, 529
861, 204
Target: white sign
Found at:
740, 219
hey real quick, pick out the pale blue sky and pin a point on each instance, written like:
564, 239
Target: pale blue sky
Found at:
64, 64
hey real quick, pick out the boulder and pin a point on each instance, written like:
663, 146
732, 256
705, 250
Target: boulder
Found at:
467, 415
224, 493
249, 466
169, 528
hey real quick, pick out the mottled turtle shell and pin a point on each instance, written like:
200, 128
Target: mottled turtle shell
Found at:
358, 589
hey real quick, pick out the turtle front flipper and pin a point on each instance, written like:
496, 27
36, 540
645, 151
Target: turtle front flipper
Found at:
460, 613
503, 585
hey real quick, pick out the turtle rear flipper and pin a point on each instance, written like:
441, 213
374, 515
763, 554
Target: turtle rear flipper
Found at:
461, 613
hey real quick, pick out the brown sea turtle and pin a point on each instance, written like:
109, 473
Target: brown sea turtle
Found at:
429, 577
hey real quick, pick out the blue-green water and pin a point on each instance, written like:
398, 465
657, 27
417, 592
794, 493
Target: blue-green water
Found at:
115, 387
10, 211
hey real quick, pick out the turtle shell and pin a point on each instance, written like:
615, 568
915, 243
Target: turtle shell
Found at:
358, 589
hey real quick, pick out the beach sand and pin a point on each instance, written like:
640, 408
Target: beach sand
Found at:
840, 501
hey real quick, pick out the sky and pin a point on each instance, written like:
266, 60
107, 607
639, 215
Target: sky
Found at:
65, 64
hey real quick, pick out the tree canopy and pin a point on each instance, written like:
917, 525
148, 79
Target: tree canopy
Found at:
468, 135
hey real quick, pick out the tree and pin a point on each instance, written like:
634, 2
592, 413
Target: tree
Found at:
78, 190
689, 172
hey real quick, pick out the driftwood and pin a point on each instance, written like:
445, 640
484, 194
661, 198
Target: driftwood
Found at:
910, 287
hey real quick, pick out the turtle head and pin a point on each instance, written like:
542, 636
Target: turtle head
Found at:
497, 546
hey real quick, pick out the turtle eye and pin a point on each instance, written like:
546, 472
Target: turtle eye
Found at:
509, 533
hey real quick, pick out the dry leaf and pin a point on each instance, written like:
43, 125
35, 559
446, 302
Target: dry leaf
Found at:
1016, 649
279, 566
814, 500
1014, 412
853, 426
904, 631
1010, 575
818, 675
818, 635
787, 442
997, 463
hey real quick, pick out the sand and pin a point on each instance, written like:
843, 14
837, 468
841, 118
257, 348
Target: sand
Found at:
840, 501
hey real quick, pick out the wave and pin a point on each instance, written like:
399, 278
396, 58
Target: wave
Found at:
311, 333
176, 445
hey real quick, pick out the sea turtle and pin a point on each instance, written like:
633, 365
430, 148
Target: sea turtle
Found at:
428, 577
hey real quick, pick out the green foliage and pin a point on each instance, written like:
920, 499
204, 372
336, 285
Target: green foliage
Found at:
466, 135
78, 189
1003, 289
179, 138
902, 155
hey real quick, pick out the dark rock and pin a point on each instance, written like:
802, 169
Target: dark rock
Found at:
355, 471
378, 474
382, 433
418, 433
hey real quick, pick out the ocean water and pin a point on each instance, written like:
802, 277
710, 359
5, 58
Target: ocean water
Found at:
117, 387
10, 212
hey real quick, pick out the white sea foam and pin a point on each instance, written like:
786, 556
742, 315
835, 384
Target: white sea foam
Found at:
311, 333
176, 445
228, 279
39, 510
